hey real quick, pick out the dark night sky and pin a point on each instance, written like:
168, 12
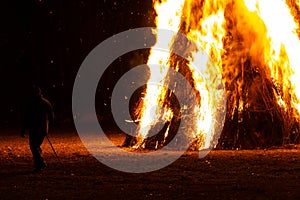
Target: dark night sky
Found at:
44, 42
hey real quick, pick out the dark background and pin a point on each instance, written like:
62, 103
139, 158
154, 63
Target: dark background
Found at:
44, 42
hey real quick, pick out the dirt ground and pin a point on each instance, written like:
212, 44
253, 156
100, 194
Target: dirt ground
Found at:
242, 174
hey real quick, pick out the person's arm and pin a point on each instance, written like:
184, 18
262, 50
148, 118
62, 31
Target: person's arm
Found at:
50, 113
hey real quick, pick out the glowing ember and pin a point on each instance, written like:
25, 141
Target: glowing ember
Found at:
253, 40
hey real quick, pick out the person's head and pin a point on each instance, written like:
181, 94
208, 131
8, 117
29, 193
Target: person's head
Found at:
36, 92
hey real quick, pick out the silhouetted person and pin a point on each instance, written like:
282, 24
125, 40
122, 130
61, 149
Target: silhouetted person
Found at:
37, 115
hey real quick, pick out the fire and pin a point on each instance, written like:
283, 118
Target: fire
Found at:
246, 39
208, 33
282, 54
169, 15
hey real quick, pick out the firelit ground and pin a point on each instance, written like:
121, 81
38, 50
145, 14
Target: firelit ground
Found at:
251, 174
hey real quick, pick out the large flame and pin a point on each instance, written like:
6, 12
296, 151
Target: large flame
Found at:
239, 36
150, 112
282, 46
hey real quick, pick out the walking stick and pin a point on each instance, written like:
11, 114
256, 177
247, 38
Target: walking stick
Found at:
54, 150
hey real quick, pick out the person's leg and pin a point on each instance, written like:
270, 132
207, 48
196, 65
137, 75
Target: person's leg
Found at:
35, 143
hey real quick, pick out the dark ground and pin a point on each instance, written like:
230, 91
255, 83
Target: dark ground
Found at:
243, 174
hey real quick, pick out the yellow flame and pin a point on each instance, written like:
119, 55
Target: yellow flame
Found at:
169, 15
282, 45
207, 33
264, 32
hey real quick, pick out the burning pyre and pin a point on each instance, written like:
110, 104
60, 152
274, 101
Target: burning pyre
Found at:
256, 48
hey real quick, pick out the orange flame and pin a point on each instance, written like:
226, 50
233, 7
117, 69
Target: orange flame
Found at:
231, 32
282, 46
151, 113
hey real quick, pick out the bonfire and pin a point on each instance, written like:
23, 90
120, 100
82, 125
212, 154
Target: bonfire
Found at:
253, 48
